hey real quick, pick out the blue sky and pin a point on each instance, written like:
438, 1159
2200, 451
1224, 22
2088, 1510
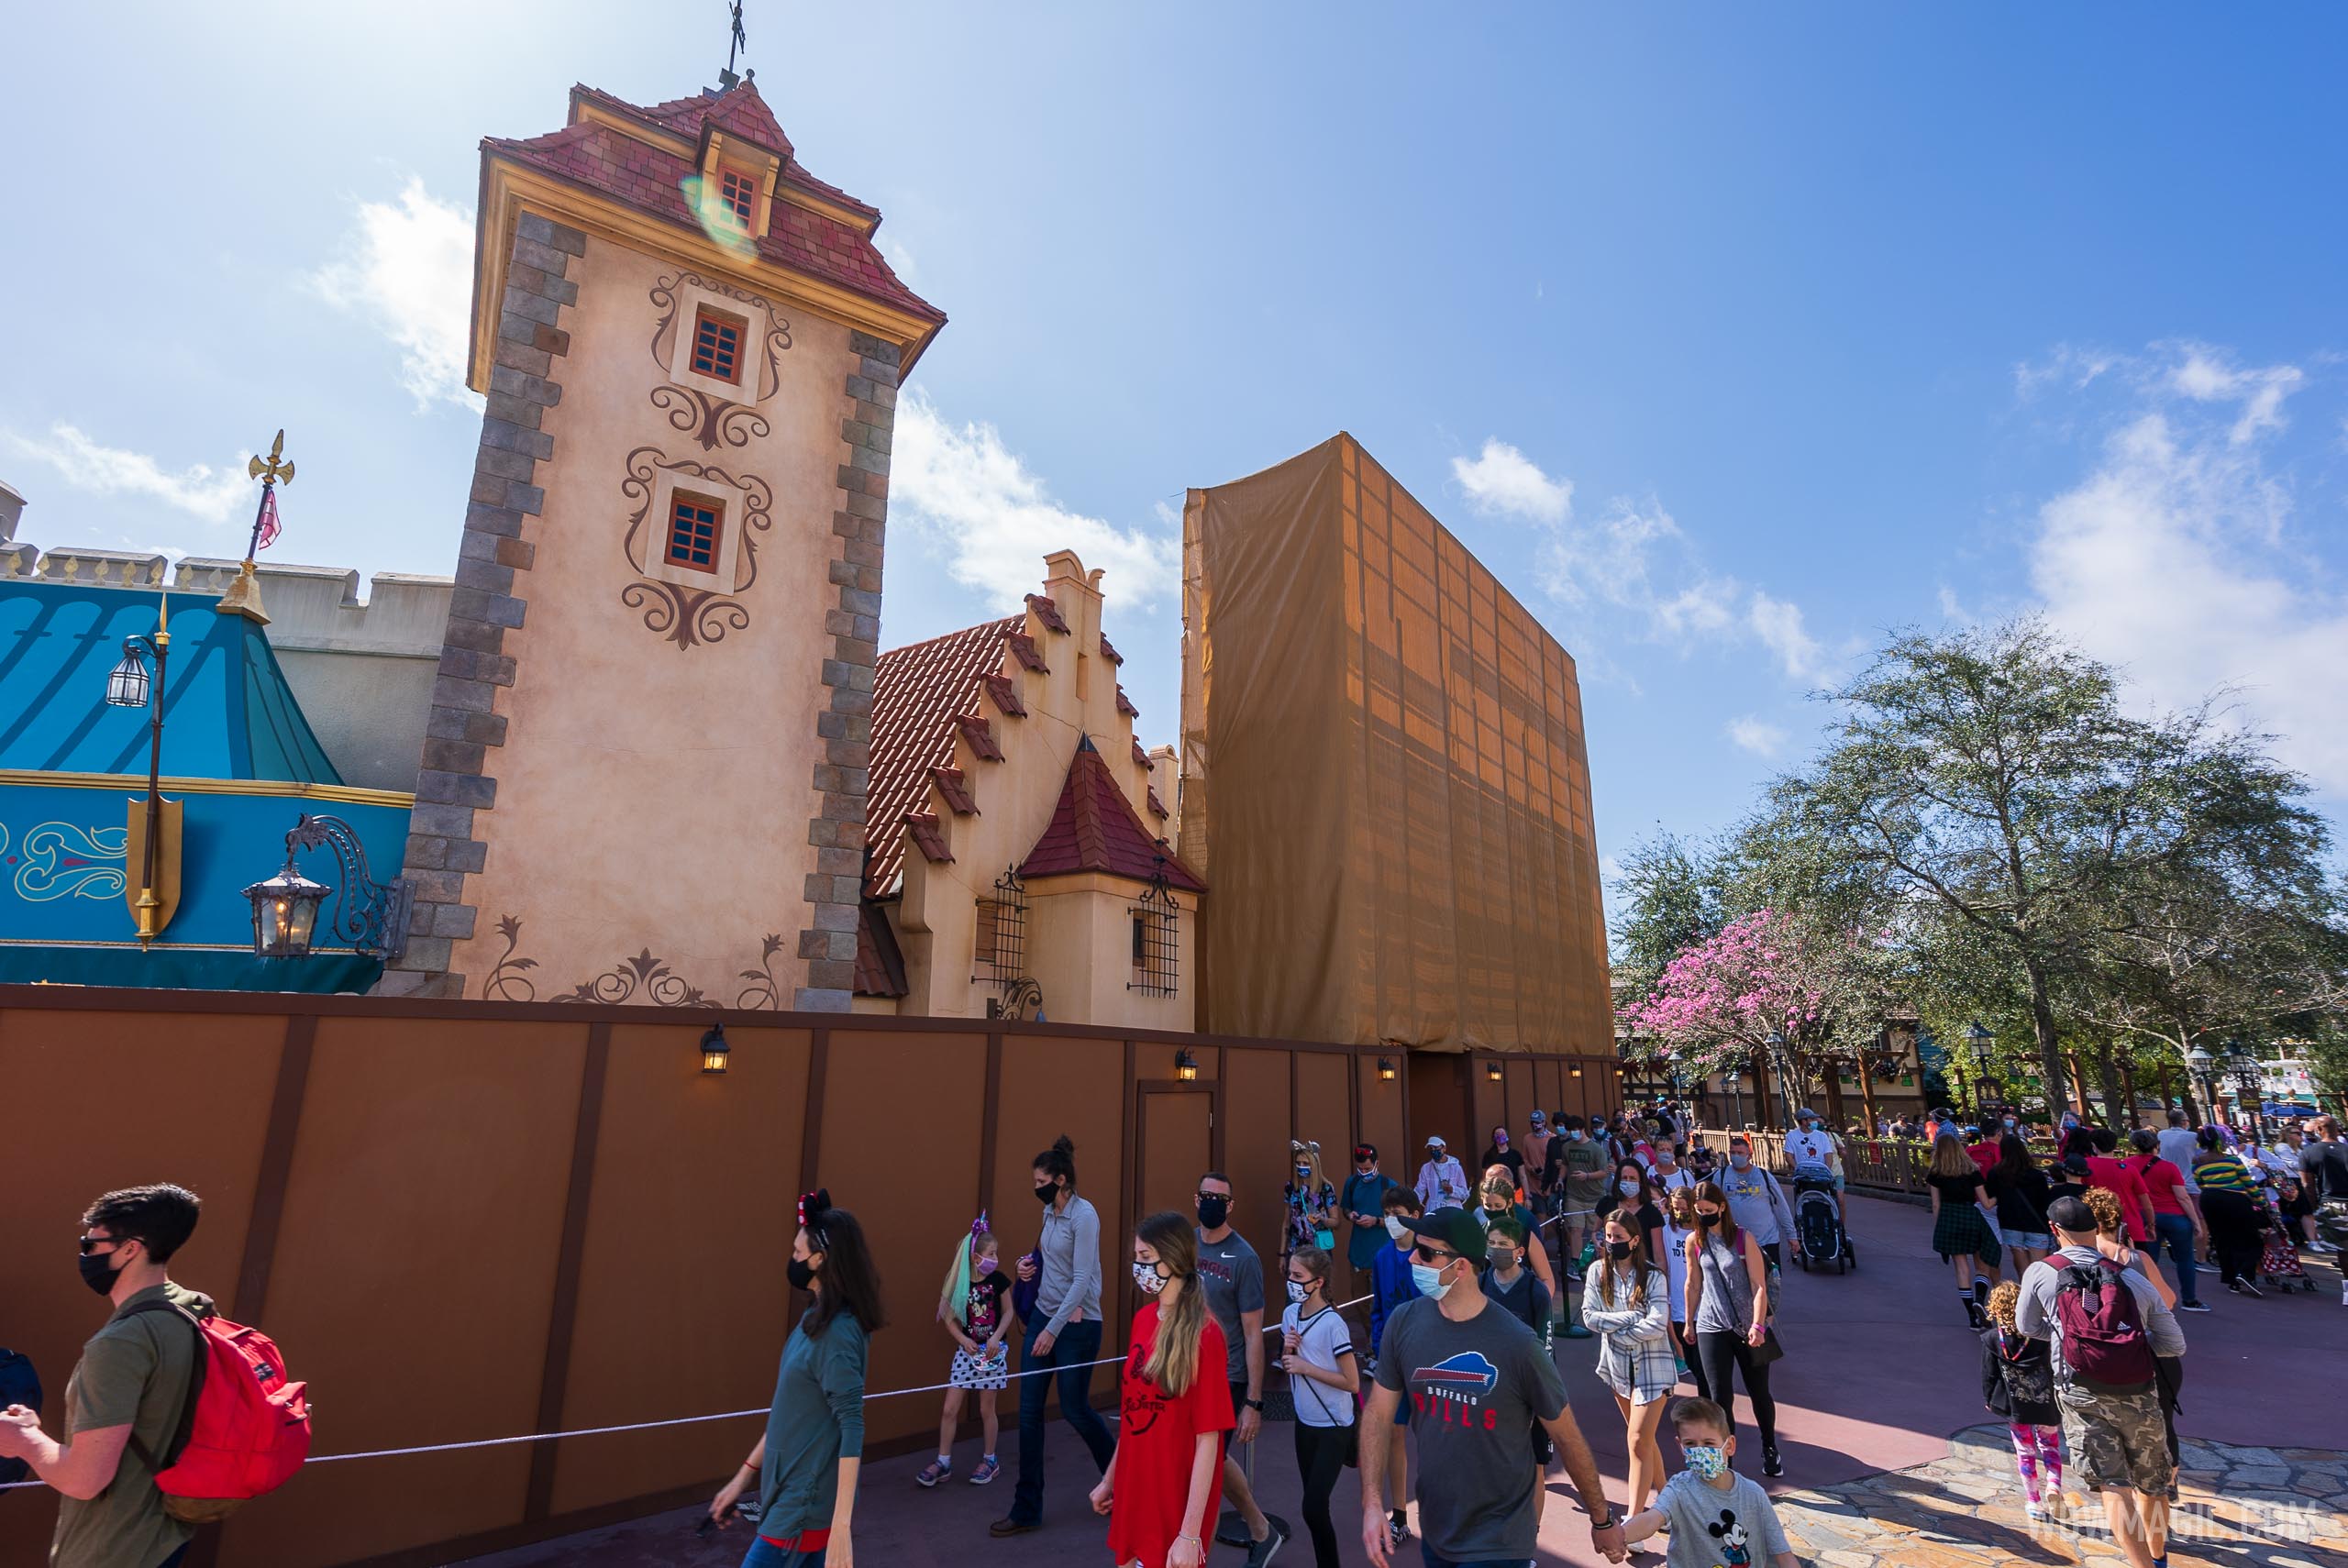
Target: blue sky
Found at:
1729, 337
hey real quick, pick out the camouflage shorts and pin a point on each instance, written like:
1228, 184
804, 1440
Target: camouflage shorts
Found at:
2115, 1440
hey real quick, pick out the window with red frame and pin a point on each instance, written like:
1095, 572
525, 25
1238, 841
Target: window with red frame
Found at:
696, 523
718, 346
738, 194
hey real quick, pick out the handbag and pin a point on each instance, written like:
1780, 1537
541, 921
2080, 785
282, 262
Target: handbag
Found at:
1768, 1350
1024, 1291
1325, 1239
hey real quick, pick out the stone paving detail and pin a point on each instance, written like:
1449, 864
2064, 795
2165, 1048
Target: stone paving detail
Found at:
2286, 1507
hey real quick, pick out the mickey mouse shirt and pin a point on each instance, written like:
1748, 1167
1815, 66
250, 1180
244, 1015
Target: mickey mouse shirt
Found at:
1158, 1435
1713, 1527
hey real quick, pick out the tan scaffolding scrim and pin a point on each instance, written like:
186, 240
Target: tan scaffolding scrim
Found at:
1384, 777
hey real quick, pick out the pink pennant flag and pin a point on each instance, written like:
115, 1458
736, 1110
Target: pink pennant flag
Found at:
265, 530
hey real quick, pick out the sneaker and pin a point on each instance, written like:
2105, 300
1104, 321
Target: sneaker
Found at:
936, 1470
1397, 1535
2247, 1288
2207, 1268
1771, 1463
2193, 1307
989, 1468
1275, 1537
2035, 1512
1001, 1528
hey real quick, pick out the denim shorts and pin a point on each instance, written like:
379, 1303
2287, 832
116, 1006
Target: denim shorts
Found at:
2029, 1239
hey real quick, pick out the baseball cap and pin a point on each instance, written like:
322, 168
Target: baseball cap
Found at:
2070, 1214
1540, 1119
1454, 1227
1435, 1142
1806, 1114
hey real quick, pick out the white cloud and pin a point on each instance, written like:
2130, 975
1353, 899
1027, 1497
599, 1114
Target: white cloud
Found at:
2175, 558
216, 495
1752, 734
2207, 375
1778, 623
2067, 366
1503, 482
408, 271
975, 500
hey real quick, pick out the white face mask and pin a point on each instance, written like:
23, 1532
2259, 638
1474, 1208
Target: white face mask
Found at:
1629, 1188
1147, 1279
1297, 1292
1395, 1228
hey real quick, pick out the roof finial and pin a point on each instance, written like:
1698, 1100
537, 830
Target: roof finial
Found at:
740, 40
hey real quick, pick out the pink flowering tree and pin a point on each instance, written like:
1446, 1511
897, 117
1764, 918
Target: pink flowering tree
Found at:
1770, 983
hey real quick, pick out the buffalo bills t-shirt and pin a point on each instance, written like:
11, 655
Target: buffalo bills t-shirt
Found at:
1158, 1434
1474, 1388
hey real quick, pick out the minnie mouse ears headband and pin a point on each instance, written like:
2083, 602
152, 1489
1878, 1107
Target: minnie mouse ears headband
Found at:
814, 1206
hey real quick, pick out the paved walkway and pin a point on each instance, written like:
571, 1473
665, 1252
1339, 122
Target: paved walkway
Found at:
1878, 1397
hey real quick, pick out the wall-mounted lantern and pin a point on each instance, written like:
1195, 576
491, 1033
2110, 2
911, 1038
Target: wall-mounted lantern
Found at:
1386, 1069
1577, 1070
372, 916
1186, 1066
1492, 1071
715, 1049
285, 911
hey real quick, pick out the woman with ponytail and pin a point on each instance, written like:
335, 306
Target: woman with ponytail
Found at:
806, 1464
1163, 1485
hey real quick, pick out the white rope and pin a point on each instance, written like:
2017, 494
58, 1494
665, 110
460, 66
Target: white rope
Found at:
678, 1420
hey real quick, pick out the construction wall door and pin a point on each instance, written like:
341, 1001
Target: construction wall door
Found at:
1175, 1146
1441, 1107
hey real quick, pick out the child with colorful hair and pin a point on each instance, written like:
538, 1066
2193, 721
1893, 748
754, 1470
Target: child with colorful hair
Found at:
974, 1305
2018, 1382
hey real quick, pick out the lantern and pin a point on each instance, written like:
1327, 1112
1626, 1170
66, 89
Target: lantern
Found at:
285, 911
715, 1051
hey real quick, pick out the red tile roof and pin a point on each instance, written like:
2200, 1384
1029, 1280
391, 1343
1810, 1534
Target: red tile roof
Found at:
1140, 755
929, 837
648, 178
1047, 612
917, 693
1094, 828
980, 731
1125, 705
956, 793
1023, 648
1005, 695
880, 962
1108, 653
1157, 806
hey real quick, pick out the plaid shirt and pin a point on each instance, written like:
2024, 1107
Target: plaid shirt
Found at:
1633, 1333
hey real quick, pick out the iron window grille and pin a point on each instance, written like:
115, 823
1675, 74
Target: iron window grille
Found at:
999, 953
1155, 915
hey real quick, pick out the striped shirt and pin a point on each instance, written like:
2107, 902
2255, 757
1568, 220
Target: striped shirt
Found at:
2223, 1174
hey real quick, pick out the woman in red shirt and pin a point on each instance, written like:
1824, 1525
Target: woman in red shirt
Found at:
1164, 1482
2178, 1227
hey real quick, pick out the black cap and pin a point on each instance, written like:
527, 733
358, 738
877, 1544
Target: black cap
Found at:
1456, 1229
2070, 1214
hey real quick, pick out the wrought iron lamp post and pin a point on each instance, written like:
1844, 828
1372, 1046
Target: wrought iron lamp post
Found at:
2249, 1092
129, 687
372, 916
1976, 1045
2199, 1066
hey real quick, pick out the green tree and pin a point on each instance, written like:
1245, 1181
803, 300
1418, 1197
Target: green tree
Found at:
1988, 783
1666, 899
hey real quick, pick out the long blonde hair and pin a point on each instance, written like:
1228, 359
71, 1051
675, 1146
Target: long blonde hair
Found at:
1949, 1158
1310, 1155
1173, 1363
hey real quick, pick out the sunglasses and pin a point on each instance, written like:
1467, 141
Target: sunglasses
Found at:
91, 1243
1434, 1256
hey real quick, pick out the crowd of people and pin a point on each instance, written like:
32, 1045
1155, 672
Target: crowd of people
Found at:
1620, 1230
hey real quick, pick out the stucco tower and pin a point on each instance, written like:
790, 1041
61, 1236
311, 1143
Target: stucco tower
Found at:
644, 774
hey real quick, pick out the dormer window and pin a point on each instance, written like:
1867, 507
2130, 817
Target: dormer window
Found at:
718, 346
696, 528
737, 195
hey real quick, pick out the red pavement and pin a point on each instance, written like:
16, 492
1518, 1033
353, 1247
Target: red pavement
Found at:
1880, 1371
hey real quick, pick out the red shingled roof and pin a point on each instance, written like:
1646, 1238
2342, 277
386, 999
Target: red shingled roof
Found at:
1094, 828
956, 793
880, 962
1140, 755
918, 692
1005, 695
647, 178
1125, 705
1023, 648
1047, 611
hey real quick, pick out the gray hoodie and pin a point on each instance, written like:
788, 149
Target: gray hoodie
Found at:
2035, 1313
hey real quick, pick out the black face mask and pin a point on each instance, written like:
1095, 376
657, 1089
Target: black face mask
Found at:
1047, 1192
1618, 1251
98, 1271
1213, 1211
802, 1274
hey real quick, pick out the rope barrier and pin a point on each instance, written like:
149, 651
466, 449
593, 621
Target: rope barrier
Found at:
721, 1416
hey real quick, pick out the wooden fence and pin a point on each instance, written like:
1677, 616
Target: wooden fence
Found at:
467, 1220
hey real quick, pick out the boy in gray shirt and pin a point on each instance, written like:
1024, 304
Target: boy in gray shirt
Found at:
1717, 1518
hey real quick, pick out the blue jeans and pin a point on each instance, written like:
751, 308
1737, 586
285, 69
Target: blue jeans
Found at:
1077, 1343
2175, 1232
765, 1555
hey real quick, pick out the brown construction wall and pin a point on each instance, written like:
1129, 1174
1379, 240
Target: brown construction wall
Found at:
471, 1219
1384, 777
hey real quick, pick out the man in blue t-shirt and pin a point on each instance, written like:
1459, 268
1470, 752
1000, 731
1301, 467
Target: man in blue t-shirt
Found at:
1363, 1201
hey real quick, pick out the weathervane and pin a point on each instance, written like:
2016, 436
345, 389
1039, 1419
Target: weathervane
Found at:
740, 41
243, 596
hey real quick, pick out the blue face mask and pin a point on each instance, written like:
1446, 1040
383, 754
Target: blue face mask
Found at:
1706, 1462
1740, 1161
1429, 1280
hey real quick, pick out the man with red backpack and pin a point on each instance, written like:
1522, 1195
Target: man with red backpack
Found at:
175, 1416
123, 1404
2105, 1325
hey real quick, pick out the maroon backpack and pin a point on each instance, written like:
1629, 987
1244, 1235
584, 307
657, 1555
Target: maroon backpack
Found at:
2104, 1347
